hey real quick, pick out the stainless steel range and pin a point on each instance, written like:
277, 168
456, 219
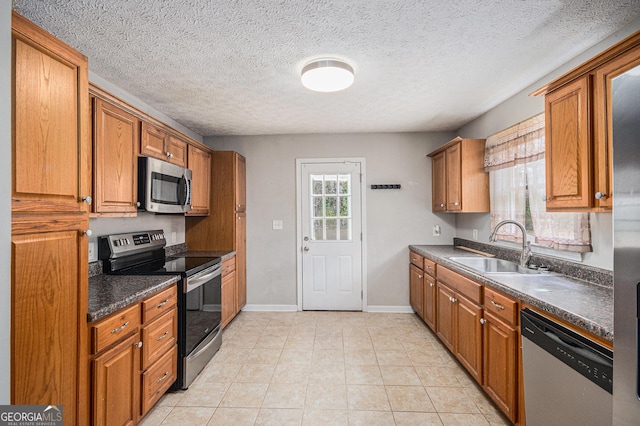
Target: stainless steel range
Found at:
199, 293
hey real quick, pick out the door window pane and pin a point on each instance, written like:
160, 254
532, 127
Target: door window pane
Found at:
331, 207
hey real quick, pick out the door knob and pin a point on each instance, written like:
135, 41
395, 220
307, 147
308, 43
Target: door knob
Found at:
306, 238
305, 248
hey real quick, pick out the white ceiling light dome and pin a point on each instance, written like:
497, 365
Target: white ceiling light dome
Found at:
327, 75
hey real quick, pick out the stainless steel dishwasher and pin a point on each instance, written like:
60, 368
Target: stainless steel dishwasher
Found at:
568, 379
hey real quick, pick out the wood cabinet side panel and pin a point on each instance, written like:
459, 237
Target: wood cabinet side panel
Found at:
241, 260
241, 183
439, 183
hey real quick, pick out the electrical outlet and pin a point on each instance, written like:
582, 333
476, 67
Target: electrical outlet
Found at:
93, 256
475, 234
277, 224
436, 230
174, 237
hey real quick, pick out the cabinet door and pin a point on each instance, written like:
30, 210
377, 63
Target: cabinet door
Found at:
430, 297
152, 141
568, 150
241, 183
416, 289
228, 298
200, 165
115, 155
241, 260
176, 151
439, 183
446, 318
453, 157
469, 336
48, 301
116, 385
604, 125
500, 366
50, 141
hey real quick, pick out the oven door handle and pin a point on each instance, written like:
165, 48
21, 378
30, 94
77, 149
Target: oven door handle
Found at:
197, 280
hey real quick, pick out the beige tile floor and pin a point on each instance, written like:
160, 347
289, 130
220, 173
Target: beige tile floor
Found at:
329, 368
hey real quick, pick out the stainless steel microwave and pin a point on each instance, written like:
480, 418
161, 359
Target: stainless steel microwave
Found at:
163, 187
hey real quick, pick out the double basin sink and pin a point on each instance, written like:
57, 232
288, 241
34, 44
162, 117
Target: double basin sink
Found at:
491, 265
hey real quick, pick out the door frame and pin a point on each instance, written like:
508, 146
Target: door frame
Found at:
363, 205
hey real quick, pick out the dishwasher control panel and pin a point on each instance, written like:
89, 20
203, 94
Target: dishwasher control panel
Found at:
590, 359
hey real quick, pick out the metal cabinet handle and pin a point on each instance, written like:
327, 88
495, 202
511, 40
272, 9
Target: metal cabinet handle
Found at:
161, 304
138, 344
441, 205
545, 198
482, 321
497, 305
430, 284
419, 276
87, 199
166, 333
453, 299
119, 329
164, 376
87, 232
456, 203
600, 195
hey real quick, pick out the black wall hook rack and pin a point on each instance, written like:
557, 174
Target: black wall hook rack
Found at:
387, 186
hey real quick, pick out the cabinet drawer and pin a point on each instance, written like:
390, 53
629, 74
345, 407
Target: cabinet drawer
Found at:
158, 304
500, 305
158, 337
157, 379
429, 267
416, 259
228, 266
114, 327
469, 288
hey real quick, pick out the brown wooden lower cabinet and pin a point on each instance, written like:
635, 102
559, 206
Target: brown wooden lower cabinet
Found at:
416, 289
116, 384
134, 362
430, 297
500, 346
446, 317
469, 336
229, 291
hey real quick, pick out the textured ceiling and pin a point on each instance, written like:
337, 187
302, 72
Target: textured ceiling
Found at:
231, 67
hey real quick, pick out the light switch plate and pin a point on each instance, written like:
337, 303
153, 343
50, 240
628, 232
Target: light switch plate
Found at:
93, 256
277, 225
436, 230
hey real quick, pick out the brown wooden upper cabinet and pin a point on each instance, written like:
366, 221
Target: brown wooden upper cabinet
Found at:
157, 143
459, 182
578, 130
51, 161
199, 161
115, 151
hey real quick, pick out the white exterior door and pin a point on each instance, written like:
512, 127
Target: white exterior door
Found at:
331, 236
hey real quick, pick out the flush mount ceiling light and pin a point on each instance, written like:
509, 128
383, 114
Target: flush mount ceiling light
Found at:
327, 75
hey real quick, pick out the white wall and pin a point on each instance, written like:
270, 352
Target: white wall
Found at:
520, 107
394, 219
5, 206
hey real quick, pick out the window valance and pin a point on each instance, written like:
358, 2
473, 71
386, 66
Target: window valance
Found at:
521, 143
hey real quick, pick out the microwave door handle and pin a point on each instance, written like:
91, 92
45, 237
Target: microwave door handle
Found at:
182, 191
188, 190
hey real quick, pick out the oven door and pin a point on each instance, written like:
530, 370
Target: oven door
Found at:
201, 313
163, 187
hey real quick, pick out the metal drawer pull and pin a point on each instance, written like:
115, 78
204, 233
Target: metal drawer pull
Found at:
164, 376
453, 299
138, 345
119, 329
166, 333
482, 321
430, 284
161, 304
497, 305
419, 276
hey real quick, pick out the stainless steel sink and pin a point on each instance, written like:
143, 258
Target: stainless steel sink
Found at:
491, 265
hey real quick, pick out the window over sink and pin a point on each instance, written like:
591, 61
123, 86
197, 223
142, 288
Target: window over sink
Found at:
515, 160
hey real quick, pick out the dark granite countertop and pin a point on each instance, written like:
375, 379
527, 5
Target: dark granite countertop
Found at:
584, 304
110, 293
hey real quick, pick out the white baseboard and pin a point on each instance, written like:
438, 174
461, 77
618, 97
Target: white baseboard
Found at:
391, 309
270, 308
